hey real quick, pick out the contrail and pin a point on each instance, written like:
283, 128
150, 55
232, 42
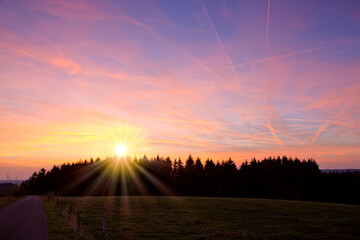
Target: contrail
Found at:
267, 24
273, 132
276, 57
228, 59
288, 136
320, 130
306, 139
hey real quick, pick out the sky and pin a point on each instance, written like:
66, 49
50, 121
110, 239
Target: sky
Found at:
216, 79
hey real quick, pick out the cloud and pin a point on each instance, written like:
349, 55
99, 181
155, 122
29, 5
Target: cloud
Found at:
67, 64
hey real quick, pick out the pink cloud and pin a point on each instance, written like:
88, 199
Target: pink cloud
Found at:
67, 64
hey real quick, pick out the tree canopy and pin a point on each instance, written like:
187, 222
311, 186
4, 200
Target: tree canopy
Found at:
272, 177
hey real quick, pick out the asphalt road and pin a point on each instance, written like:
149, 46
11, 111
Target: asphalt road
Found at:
23, 219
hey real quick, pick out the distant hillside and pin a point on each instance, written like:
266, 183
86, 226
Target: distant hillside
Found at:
18, 182
5, 187
339, 170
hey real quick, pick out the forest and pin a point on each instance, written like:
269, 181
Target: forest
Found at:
272, 177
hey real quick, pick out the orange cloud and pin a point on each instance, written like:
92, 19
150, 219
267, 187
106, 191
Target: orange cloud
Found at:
67, 64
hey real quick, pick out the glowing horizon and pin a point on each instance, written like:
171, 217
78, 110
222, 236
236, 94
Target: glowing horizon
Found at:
212, 79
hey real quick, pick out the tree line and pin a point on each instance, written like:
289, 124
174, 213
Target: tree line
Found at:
272, 177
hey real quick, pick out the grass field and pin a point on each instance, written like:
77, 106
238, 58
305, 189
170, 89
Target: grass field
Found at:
58, 227
216, 218
8, 199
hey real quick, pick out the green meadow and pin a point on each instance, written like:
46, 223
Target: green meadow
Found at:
153, 217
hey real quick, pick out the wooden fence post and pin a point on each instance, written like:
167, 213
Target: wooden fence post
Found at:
103, 236
78, 221
70, 210
58, 200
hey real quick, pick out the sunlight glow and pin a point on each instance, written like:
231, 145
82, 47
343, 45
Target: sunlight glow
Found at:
120, 150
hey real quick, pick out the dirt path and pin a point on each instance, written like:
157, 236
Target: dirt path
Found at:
23, 219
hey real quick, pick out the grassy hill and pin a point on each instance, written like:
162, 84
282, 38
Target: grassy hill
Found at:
215, 218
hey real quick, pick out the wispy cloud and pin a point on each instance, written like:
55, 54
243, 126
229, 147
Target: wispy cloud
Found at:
67, 64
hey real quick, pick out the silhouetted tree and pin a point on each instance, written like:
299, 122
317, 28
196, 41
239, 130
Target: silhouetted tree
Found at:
272, 177
189, 165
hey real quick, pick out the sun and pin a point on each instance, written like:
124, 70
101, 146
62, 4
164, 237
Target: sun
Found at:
120, 150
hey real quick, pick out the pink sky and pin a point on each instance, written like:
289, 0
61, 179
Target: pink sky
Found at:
211, 78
